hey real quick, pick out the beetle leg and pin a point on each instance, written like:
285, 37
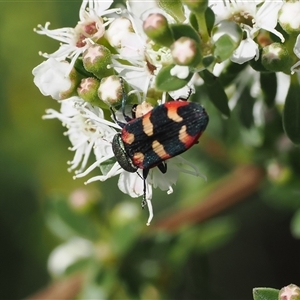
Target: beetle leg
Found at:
162, 167
187, 97
115, 118
145, 174
124, 100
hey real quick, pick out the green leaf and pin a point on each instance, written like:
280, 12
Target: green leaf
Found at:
180, 30
106, 166
265, 294
173, 8
81, 70
231, 71
210, 19
225, 46
245, 107
268, 83
215, 92
166, 82
193, 21
295, 224
257, 64
208, 60
66, 222
291, 111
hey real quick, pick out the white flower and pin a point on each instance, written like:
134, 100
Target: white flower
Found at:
251, 18
89, 133
91, 27
67, 254
289, 16
266, 17
295, 68
83, 133
181, 72
51, 77
246, 50
138, 62
142, 61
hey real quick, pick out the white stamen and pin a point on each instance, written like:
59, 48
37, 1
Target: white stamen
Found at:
93, 166
170, 190
150, 208
115, 170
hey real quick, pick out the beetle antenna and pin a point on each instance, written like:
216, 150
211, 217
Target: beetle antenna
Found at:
188, 95
144, 202
113, 115
115, 118
124, 100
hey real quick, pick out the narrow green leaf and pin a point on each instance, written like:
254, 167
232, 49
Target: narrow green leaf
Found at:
166, 82
295, 224
291, 111
173, 8
265, 294
106, 166
231, 71
65, 222
257, 64
215, 92
193, 21
210, 19
208, 60
268, 83
180, 30
245, 106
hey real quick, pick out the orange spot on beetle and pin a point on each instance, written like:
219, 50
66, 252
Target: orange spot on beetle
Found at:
173, 115
159, 149
127, 137
138, 159
187, 139
147, 124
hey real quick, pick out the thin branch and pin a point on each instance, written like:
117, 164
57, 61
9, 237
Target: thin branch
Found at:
241, 183
60, 290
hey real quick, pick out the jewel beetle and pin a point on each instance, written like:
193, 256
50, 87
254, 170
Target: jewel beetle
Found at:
165, 131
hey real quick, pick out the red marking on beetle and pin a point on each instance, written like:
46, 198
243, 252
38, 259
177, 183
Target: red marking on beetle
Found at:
138, 159
186, 139
147, 124
127, 137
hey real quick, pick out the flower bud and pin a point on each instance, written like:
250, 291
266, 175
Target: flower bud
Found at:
278, 173
117, 30
157, 28
74, 78
196, 6
110, 90
289, 17
92, 29
81, 200
276, 58
124, 213
97, 59
290, 292
185, 52
88, 91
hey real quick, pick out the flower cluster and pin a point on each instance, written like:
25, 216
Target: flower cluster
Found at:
161, 49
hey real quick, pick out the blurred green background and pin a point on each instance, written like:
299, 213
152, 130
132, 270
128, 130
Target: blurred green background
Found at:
227, 251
